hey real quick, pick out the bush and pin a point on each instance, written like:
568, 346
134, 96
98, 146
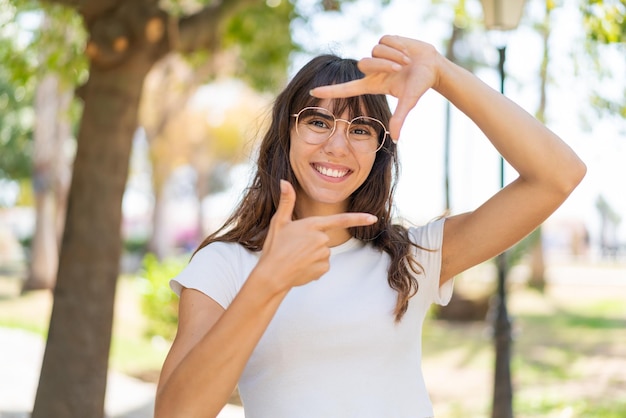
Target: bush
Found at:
135, 245
159, 303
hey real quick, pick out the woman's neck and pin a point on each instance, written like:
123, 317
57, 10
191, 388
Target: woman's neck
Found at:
336, 236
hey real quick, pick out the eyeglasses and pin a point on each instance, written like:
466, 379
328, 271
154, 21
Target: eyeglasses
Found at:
315, 125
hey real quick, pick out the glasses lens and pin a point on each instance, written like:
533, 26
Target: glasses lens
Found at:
315, 124
364, 134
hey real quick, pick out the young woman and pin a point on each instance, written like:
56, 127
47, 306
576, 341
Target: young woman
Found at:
309, 298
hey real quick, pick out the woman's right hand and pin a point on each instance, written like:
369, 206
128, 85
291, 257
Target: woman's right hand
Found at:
297, 252
402, 67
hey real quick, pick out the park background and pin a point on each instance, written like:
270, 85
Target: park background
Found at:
187, 172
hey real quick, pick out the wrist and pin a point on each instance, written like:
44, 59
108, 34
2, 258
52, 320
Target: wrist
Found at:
267, 282
449, 78
442, 75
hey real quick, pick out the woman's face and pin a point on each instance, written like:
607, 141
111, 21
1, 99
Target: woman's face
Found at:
328, 173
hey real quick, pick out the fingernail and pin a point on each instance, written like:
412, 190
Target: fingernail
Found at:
395, 141
372, 218
406, 59
311, 92
283, 186
396, 67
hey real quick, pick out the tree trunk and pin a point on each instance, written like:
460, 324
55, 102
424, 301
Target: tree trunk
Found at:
51, 132
74, 371
203, 171
126, 38
44, 254
537, 278
159, 240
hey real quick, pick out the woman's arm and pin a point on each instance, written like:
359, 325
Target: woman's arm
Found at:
548, 169
213, 345
548, 172
211, 349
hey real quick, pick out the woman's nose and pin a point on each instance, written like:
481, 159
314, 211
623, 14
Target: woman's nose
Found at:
339, 139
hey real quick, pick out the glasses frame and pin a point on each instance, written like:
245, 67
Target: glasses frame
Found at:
385, 132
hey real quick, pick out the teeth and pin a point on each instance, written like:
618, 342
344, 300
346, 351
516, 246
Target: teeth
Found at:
331, 172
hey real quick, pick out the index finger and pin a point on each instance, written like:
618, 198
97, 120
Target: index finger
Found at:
343, 220
335, 91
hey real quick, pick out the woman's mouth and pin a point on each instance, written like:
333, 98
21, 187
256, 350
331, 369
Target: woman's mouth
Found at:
331, 172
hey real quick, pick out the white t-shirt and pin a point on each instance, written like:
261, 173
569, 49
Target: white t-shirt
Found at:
333, 348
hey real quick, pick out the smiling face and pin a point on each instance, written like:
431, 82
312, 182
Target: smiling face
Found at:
327, 173
328, 177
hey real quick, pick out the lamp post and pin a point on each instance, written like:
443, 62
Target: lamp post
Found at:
502, 15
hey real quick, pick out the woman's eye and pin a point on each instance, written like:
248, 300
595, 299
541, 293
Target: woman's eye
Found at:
318, 123
361, 131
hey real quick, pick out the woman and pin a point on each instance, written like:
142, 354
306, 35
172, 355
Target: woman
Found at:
309, 298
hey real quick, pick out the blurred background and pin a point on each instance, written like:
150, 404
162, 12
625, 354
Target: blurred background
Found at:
128, 132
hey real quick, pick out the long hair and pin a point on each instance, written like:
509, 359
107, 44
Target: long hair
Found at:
248, 225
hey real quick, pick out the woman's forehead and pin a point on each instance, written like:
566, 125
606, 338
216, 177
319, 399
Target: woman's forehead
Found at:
340, 106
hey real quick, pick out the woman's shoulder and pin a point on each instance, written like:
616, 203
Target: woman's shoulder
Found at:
218, 270
222, 249
429, 235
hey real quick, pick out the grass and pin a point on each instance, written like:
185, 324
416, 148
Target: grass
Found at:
29, 312
132, 352
138, 357
568, 360
569, 354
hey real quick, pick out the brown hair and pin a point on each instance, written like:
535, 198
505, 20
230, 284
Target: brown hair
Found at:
249, 223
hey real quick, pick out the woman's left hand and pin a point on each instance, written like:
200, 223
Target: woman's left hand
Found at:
402, 67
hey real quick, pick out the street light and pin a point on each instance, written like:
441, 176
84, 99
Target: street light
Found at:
502, 15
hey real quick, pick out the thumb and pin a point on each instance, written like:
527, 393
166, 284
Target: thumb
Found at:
284, 211
403, 108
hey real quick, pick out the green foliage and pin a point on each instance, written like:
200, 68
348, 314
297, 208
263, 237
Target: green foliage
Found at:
137, 245
159, 303
262, 35
605, 20
16, 98
16, 125
26, 196
35, 39
605, 25
52, 40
